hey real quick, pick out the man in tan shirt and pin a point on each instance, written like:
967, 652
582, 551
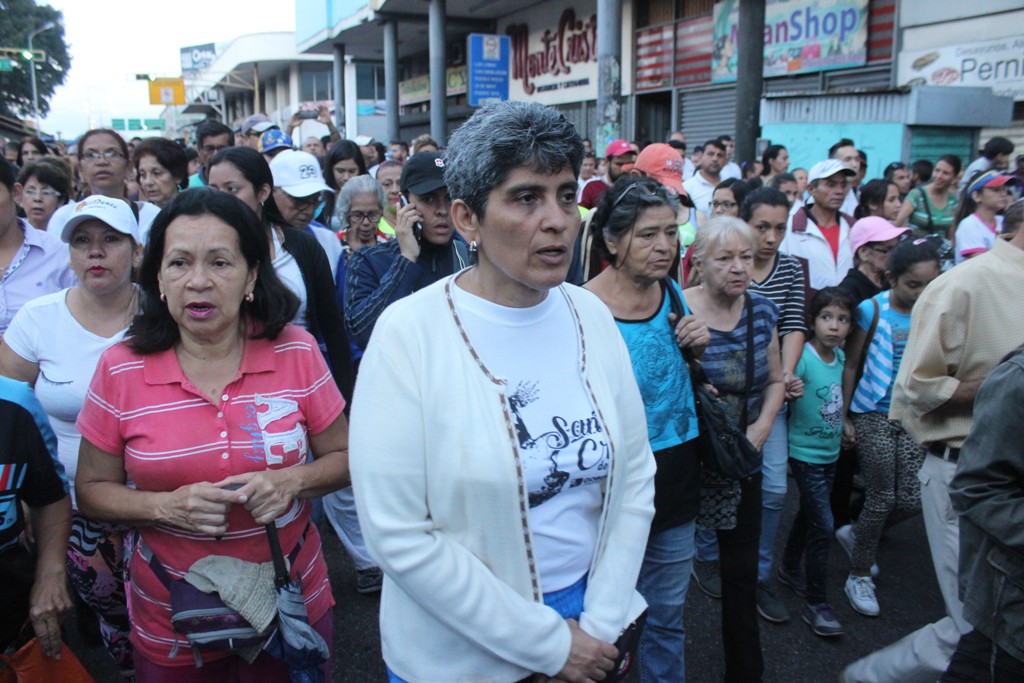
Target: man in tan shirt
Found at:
965, 322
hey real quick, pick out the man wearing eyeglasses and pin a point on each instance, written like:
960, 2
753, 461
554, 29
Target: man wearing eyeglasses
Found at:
212, 137
299, 189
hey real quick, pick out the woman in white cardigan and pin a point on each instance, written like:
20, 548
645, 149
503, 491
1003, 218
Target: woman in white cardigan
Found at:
499, 452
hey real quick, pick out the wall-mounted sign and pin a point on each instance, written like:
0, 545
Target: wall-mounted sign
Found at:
198, 57
554, 52
799, 36
488, 68
167, 91
996, 64
416, 90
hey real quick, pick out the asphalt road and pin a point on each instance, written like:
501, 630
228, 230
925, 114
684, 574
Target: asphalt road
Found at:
907, 592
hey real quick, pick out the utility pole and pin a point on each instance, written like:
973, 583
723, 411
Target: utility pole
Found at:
32, 71
749, 79
609, 73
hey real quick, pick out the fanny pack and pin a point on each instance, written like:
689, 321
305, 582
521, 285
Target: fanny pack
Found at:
204, 620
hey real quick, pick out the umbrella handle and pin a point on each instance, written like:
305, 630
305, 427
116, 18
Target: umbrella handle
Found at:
280, 570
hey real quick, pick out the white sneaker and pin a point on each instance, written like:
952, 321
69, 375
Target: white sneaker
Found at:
847, 539
861, 592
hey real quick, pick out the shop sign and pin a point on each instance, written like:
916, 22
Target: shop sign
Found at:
554, 53
800, 36
198, 57
996, 64
416, 90
488, 69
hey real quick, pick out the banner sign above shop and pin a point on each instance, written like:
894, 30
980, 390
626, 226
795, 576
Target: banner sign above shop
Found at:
799, 36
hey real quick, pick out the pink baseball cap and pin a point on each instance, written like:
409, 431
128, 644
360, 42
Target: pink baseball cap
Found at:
873, 229
663, 163
616, 148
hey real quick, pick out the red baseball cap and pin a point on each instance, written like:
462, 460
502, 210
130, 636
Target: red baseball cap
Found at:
663, 163
616, 148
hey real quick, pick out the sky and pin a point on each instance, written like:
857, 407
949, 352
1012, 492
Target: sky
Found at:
112, 40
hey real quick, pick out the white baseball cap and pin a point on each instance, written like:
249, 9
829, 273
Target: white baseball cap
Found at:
827, 169
114, 212
298, 173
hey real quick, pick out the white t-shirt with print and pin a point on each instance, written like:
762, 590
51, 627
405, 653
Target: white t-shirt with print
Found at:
563, 449
45, 332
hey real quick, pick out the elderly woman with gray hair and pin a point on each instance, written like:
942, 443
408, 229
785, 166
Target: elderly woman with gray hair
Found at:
503, 473
360, 206
746, 370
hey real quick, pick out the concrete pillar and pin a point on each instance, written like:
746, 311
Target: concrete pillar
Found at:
338, 86
749, 79
609, 79
438, 71
391, 77
294, 83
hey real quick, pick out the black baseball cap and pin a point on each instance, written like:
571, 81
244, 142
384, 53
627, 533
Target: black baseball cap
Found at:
423, 173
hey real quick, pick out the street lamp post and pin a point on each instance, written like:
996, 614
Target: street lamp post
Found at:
32, 71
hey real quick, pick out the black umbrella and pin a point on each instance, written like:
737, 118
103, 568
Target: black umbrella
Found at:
294, 642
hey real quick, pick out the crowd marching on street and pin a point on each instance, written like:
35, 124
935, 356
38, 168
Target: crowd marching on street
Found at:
537, 389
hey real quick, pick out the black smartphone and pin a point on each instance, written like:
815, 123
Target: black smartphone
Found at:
308, 114
417, 228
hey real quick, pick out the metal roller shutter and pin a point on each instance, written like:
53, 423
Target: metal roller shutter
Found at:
706, 114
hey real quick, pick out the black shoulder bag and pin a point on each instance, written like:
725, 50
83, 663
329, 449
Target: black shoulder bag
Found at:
724, 446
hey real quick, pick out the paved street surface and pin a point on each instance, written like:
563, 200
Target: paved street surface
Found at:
907, 592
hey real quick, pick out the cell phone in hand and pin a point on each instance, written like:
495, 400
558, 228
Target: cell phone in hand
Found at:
308, 114
417, 228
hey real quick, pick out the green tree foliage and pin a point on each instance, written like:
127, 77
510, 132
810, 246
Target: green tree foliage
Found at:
17, 19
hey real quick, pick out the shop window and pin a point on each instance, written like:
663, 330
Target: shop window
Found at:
655, 12
370, 82
315, 82
693, 8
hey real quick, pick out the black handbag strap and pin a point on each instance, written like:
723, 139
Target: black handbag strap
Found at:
749, 306
676, 306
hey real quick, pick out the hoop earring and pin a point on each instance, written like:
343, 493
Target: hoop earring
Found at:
473, 256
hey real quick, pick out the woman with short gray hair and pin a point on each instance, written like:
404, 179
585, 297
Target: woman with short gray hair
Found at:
504, 477
360, 205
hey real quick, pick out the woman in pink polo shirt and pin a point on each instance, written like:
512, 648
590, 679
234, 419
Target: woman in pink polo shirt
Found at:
211, 408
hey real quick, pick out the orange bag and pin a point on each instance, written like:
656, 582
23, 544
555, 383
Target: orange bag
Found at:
30, 665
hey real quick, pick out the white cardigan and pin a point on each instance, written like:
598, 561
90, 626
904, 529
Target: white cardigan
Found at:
443, 503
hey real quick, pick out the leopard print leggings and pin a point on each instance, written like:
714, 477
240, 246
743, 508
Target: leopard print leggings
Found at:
889, 460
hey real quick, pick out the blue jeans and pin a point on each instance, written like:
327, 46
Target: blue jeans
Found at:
664, 580
568, 602
811, 535
775, 457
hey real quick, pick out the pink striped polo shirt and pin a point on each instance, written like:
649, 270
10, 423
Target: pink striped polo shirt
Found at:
144, 409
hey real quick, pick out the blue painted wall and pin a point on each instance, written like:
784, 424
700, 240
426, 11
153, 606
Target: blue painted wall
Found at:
313, 16
808, 143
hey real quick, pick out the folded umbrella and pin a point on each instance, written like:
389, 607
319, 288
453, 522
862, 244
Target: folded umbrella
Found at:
295, 642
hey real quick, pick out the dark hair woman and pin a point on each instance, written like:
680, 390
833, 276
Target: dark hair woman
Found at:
637, 232
774, 161
43, 187
879, 198
889, 457
214, 332
31, 149
162, 169
343, 162
931, 209
296, 256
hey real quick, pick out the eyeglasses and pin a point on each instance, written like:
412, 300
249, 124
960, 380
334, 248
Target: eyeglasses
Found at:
108, 154
724, 205
306, 202
32, 193
356, 217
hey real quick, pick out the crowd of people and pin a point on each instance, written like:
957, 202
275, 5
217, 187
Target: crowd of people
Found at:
478, 365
